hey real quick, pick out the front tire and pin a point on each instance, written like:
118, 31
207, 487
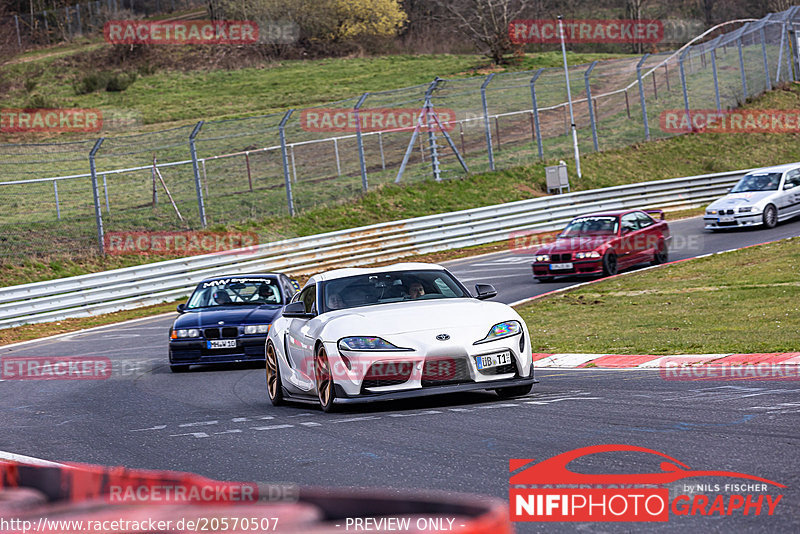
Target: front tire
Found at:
514, 391
274, 386
770, 216
324, 379
610, 264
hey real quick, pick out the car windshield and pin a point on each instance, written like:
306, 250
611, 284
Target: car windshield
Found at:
762, 181
236, 292
603, 225
382, 288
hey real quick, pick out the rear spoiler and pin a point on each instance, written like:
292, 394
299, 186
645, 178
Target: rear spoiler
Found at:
655, 212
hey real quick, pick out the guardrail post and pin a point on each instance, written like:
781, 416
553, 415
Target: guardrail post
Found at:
19, 37
764, 53
286, 179
589, 102
536, 113
716, 78
193, 149
641, 96
741, 68
683, 85
487, 127
98, 215
361, 142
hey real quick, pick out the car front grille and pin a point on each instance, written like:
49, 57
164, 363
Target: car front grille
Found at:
443, 371
555, 258
229, 332
387, 374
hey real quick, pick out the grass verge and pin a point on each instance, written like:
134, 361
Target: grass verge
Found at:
738, 302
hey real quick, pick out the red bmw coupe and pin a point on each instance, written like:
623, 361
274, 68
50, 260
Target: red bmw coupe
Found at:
603, 243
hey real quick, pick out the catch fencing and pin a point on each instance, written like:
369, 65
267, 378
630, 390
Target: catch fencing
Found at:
222, 172
132, 287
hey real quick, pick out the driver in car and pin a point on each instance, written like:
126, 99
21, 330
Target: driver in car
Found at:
415, 290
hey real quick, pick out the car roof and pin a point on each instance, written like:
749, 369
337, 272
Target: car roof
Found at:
777, 168
354, 271
240, 276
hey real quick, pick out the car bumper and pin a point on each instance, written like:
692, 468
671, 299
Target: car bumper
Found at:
186, 352
750, 219
343, 398
579, 268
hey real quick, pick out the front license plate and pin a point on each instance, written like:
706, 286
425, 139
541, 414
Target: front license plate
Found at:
222, 344
560, 266
493, 360
727, 218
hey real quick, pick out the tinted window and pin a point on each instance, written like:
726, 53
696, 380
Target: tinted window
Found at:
382, 288
309, 298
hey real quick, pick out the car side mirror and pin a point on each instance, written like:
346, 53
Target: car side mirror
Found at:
788, 186
485, 291
181, 307
297, 310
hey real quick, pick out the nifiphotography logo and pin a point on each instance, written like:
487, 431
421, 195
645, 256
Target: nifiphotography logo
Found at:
549, 491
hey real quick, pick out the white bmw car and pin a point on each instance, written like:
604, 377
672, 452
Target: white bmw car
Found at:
404, 330
763, 197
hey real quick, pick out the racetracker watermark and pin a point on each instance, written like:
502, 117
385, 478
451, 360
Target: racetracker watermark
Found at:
389, 372
165, 492
180, 243
730, 121
50, 120
586, 31
677, 369
375, 119
529, 242
55, 368
181, 32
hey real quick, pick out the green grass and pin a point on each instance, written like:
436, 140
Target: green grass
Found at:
684, 155
737, 302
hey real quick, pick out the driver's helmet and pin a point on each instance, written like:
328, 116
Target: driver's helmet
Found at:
222, 297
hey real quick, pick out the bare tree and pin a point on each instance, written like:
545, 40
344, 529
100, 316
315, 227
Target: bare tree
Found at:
485, 23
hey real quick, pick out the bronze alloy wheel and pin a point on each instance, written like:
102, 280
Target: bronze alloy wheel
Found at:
273, 377
322, 373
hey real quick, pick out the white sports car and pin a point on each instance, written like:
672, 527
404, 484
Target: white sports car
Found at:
404, 330
763, 197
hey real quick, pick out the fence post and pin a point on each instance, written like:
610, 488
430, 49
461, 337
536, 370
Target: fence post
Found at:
589, 102
641, 96
536, 113
683, 85
19, 37
780, 53
792, 41
716, 78
98, 215
193, 149
487, 127
286, 180
764, 53
361, 142
741, 68
336, 153
58, 208
431, 134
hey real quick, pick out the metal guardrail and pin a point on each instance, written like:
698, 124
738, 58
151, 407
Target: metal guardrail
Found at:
121, 289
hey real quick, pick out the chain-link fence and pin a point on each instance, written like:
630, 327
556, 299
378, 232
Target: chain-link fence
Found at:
232, 171
63, 24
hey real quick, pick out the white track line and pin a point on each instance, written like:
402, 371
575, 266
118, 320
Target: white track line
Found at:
21, 458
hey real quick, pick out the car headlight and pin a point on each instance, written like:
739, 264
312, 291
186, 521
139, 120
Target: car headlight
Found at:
502, 330
366, 343
185, 332
711, 212
745, 209
582, 255
542, 257
256, 329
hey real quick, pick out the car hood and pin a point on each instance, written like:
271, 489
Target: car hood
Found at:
747, 198
418, 316
572, 244
230, 315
